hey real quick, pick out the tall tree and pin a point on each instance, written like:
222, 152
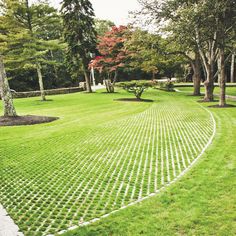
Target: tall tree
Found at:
145, 51
5, 92
174, 18
29, 46
149, 54
80, 34
225, 21
215, 32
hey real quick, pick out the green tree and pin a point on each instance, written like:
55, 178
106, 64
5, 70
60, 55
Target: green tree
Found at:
145, 51
5, 92
185, 21
149, 53
80, 34
136, 87
26, 42
224, 19
103, 26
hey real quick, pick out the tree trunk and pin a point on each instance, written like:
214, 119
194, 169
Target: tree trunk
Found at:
28, 16
138, 94
54, 67
85, 63
209, 83
106, 84
88, 83
109, 86
232, 71
222, 77
8, 106
208, 58
40, 79
197, 75
115, 78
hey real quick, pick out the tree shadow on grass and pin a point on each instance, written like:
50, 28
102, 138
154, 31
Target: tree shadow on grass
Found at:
193, 95
133, 100
110, 93
25, 120
226, 106
203, 101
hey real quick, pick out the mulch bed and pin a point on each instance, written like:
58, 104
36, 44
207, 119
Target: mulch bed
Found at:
133, 100
25, 120
226, 106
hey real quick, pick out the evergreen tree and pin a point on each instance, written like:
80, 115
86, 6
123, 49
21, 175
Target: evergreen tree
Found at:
5, 92
80, 34
27, 44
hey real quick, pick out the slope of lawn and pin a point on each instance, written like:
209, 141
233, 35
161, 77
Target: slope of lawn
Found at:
102, 155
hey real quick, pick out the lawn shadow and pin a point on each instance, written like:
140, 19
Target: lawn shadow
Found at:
47, 100
25, 120
226, 106
193, 95
203, 101
110, 93
133, 100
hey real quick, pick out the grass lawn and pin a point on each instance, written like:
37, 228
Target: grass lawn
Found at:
102, 155
229, 90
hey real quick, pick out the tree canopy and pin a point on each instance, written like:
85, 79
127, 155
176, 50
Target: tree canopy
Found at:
79, 34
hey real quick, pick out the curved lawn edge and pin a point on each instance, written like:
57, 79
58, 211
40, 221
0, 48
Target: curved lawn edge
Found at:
183, 173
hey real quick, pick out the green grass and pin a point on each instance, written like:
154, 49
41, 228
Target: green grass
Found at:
102, 155
229, 90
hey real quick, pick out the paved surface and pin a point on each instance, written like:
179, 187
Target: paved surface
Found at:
7, 225
97, 87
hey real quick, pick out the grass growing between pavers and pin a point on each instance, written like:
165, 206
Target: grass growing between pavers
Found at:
101, 155
202, 203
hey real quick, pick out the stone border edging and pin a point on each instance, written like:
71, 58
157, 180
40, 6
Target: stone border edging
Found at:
7, 224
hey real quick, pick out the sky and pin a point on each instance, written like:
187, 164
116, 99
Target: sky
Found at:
114, 10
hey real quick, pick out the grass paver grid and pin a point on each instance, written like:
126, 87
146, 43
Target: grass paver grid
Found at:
69, 180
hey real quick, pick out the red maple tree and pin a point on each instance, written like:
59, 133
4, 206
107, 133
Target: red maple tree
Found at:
113, 55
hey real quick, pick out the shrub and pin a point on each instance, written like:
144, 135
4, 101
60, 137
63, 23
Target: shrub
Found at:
137, 87
167, 86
